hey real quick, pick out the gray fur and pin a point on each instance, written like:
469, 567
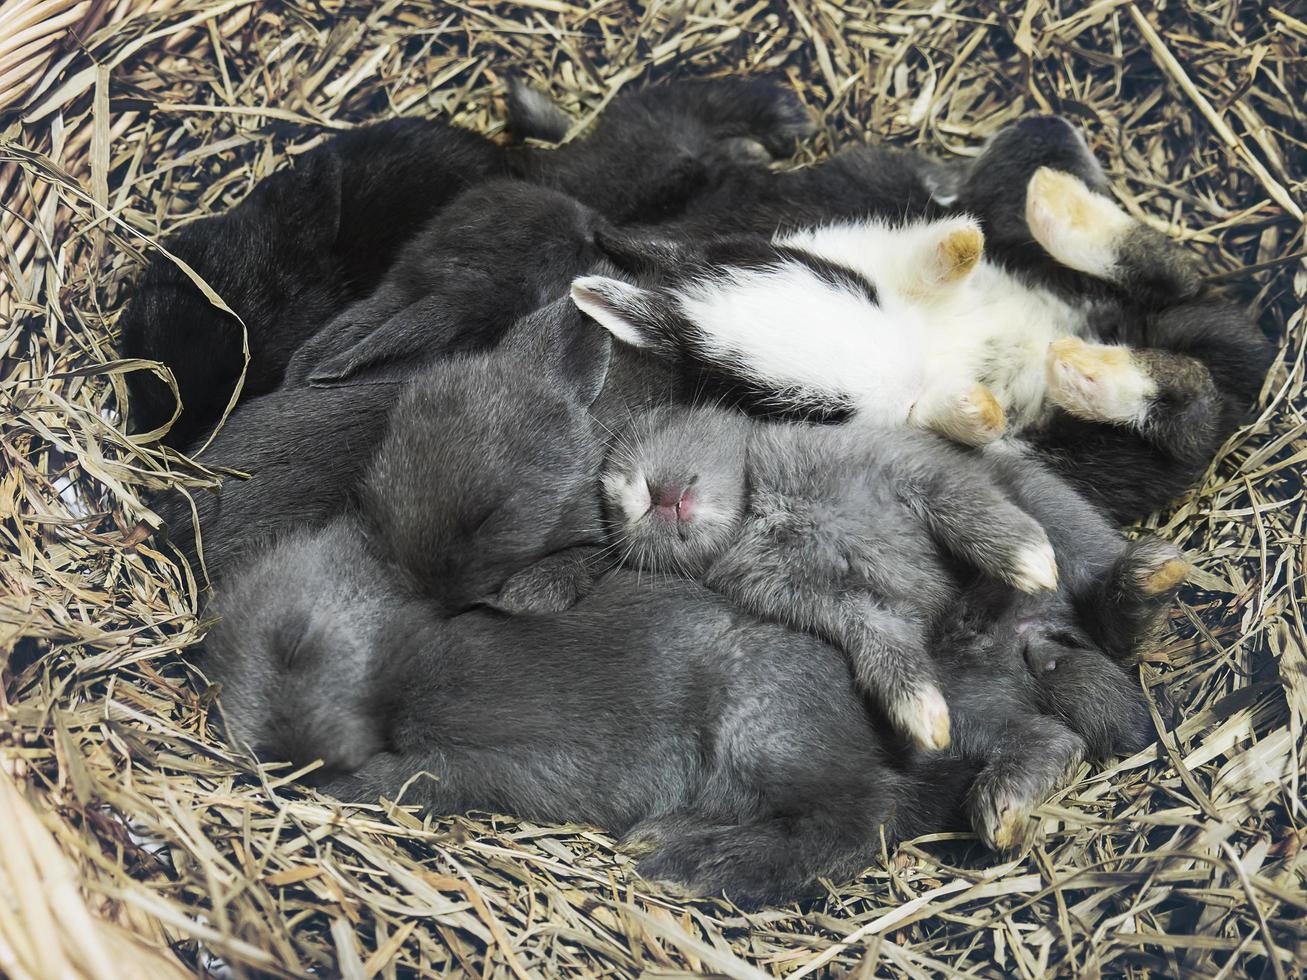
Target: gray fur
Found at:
844, 532
737, 751
855, 535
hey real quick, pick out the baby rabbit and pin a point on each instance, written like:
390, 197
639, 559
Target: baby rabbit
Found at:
846, 535
1120, 360
1197, 356
303, 452
907, 324
840, 531
499, 251
732, 755
1035, 683
305, 241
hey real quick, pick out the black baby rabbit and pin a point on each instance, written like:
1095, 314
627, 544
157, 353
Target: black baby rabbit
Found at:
304, 242
309, 240
499, 251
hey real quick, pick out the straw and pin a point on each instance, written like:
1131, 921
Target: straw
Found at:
137, 844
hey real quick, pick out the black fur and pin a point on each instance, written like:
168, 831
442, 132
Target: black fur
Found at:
304, 242
496, 253
308, 241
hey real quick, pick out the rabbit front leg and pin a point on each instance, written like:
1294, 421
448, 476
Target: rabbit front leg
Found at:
553, 584
972, 518
886, 650
1028, 760
966, 412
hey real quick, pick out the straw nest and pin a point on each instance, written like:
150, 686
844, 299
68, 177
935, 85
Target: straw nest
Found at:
135, 844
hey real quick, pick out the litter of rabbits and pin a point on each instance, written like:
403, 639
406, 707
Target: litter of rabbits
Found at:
137, 842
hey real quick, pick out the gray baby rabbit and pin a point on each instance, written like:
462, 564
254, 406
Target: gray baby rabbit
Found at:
842, 531
1036, 684
734, 755
865, 538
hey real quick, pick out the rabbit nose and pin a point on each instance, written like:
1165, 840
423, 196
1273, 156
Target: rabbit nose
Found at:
1040, 658
672, 502
665, 495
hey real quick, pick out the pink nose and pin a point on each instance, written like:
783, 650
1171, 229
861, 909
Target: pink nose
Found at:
665, 495
671, 503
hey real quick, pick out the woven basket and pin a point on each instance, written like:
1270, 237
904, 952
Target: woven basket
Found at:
136, 844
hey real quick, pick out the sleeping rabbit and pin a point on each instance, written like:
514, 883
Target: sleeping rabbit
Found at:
1097, 342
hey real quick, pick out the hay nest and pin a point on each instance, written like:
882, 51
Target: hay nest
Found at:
134, 843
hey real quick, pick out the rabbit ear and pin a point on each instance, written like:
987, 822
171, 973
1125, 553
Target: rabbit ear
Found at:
628, 312
556, 339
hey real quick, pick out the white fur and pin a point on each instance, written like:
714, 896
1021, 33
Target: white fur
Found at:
585, 294
1036, 568
924, 715
902, 261
816, 341
1122, 394
629, 493
797, 331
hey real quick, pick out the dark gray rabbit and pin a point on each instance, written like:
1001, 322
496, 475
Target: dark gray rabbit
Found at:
307, 449
733, 754
871, 539
1037, 683
842, 531
306, 241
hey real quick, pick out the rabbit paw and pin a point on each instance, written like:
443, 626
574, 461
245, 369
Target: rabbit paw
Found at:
1001, 815
1098, 382
1034, 567
1079, 228
959, 252
972, 417
1157, 566
1040, 754
922, 714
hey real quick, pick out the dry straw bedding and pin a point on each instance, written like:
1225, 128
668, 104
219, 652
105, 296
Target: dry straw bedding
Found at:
133, 843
